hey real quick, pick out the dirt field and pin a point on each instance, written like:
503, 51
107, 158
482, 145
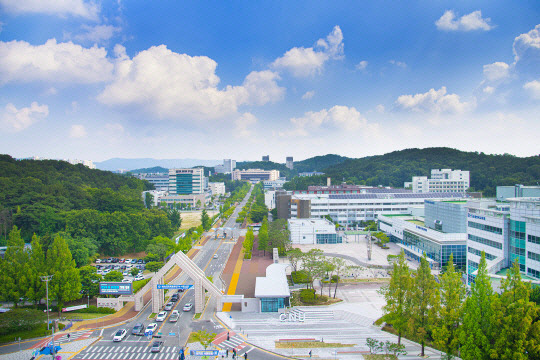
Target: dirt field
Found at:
193, 218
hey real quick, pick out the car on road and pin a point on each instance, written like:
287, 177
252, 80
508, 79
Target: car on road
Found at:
138, 329
161, 316
215, 256
180, 290
174, 297
169, 306
187, 307
120, 335
174, 316
156, 346
150, 329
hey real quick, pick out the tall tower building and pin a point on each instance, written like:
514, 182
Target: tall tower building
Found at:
289, 163
186, 181
266, 158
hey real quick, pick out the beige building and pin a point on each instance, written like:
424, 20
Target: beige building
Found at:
255, 175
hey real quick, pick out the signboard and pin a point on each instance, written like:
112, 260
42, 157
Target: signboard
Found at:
115, 288
71, 308
175, 287
207, 352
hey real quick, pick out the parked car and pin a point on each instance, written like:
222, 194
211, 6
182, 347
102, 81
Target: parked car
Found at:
174, 316
120, 335
134, 261
161, 316
150, 329
98, 261
188, 307
139, 277
169, 306
140, 261
138, 329
156, 346
127, 280
122, 261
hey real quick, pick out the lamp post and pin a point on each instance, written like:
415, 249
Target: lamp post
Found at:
47, 278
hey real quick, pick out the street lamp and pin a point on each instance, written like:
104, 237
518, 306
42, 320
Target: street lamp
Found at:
47, 278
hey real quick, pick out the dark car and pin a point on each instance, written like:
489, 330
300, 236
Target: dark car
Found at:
140, 261
174, 298
180, 290
156, 346
138, 329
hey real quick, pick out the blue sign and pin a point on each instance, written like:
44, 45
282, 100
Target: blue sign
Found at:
115, 288
421, 228
476, 217
207, 352
169, 287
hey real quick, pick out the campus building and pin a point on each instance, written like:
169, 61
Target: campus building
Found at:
272, 291
274, 184
525, 234
289, 162
310, 173
255, 175
444, 180
160, 181
186, 181
313, 231
228, 166
516, 191
217, 188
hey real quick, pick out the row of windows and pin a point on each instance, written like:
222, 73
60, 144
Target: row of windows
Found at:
479, 253
487, 242
533, 239
517, 251
484, 227
533, 273
533, 256
517, 235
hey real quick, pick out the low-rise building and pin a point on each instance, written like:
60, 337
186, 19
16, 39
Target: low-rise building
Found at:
516, 191
444, 180
255, 175
313, 231
217, 188
274, 184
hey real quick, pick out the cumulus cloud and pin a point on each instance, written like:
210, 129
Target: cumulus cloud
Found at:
173, 85
308, 95
435, 101
80, 8
362, 65
77, 131
243, 124
15, 120
303, 62
469, 22
380, 109
488, 90
533, 87
97, 34
527, 45
54, 62
341, 117
398, 63
496, 71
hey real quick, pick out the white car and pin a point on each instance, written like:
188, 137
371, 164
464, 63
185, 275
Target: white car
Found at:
161, 316
215, 256
120, 335
98, 261
188, 307
150, 329
127, 280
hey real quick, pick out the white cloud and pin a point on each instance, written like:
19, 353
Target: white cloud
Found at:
308, 95
173, 85
52, 61
398, 63
77, 131
51, 91
16, 120
380, 108
362, 65
85, 9
533, 87
97, 34
114, 128
303, 62
435, 101
496, 71
342, 117
488, 90
527, 45
469, 22
243, 124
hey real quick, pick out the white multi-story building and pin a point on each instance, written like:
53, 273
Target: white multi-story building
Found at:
270, 199
228, 166
444, 180
313, 231
217, 188
156, 196
255, 175
525, 234
289, 162
160, 181
186, 181
273, 184
88, 163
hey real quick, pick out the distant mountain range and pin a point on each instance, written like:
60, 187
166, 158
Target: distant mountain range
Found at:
129, 164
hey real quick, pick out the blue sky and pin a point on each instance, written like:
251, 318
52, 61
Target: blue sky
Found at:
211, 80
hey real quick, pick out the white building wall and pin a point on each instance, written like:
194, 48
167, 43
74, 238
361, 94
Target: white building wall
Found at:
217, 188
303, 231
270, 199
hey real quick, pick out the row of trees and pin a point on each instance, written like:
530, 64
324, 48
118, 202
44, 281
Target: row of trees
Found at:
483, 325
247, 245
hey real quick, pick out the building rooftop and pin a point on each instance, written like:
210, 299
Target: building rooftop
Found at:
274, 284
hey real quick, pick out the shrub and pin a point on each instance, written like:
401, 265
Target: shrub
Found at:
300, 277
137, 285
92, 309
307, 296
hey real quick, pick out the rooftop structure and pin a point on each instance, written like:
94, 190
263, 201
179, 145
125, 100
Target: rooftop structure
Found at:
255, 175
444, 180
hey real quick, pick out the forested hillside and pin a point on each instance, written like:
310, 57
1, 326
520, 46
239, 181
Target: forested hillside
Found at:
93, 208
152, 170
395, 168
318, 163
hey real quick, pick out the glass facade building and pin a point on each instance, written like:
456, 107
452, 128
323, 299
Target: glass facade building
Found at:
436, 251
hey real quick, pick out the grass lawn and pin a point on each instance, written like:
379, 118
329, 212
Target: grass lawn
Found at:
29, 334
152, 315
309, 344
193, 219
85, 316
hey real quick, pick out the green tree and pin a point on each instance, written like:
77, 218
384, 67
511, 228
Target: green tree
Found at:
513, 317
294, 255
205, 220
134, 271
477, 330
204, 338
20, 319
154, 266
340, 268
175, 218
263, 236
398, 295
446, 332
65, 284
36, 263
312, 265
90, 280
424, 303
114, 276
16, 272
148, 200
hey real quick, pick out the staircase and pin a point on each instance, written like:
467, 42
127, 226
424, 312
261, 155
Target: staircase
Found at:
313, 314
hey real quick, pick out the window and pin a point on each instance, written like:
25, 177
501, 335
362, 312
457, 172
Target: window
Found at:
533, 239
479, 253
487, 242
484, 227
533, 256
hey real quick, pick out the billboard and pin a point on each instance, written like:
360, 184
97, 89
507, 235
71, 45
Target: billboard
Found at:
168, 287
115, 288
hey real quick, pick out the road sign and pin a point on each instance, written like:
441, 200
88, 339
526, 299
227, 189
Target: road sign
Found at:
175, 287
115, 288
207, 352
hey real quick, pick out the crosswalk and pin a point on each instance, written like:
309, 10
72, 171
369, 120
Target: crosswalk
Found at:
77, 335
128, 352
234, 342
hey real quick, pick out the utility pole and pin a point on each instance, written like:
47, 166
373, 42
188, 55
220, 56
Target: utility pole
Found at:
47, 278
